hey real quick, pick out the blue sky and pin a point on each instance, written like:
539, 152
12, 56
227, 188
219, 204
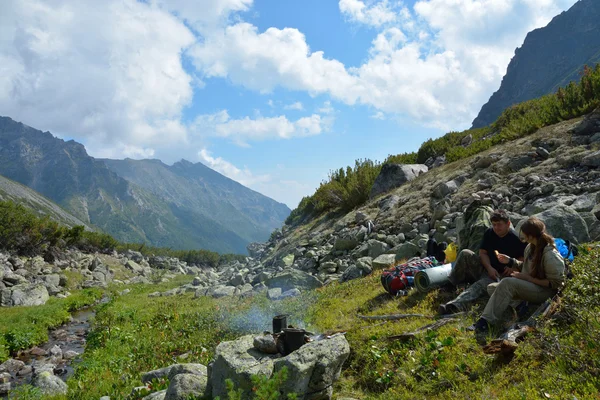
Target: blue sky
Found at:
272, 93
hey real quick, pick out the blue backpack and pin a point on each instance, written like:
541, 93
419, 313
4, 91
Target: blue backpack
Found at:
565, 248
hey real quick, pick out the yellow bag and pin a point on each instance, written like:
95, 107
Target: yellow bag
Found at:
450, 253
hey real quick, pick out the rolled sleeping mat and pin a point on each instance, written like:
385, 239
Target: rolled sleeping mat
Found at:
430, 278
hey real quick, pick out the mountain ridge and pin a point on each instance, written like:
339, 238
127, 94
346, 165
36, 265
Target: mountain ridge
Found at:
84, 186
549, 58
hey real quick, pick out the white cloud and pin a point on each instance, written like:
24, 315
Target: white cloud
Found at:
327, 108
378, 115
294, 106
243, 176
204, 15
261, 128
437, 67
105, 72
375, 14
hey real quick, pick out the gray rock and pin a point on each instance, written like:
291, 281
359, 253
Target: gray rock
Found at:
5, 388
444, 189
156, 374
238, 360
395, 175
197, 281
294, 292
286, 261
294, 279
406, 251
24, 295
11, 365
564, 222
360, 217
265, 343
585, 202
312, 369
596, 211
589, 125
542, 152
365, 264
70, 354
384, 261
274, 294
595, 138
189, 368
184, 386
134, 267
351, 273
485, 161
592, 160
388, 203
467, 140
519, 162
160, 395
56, 351
222, 291
14, 279
49, 384
377, 248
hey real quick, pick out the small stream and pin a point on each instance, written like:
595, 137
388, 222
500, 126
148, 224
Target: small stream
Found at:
70, 337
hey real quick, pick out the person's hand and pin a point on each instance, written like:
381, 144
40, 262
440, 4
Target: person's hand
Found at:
503, 258
508, 271
521, 275
493, 274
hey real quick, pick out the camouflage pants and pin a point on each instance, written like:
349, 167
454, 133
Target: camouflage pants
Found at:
469, 269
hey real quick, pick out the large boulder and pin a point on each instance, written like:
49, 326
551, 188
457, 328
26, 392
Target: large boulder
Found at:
238, 360
134, 267
384, 261
406, 251
592, 160
476, 221
349, 239
377, 248
395, 175
444, 189
186, 386
564, 222
49, 384
312, 369
294, 279
24, 295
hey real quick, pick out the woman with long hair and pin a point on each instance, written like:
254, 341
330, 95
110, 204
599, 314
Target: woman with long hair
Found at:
538, 277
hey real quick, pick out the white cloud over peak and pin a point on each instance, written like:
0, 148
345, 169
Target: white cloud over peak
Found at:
243, 176
246, 129
108, 72
375, 13
436, 64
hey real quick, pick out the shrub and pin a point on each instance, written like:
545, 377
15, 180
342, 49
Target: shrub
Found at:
349, 188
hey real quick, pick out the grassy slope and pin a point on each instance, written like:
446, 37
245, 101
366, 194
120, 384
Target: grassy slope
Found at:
134, 333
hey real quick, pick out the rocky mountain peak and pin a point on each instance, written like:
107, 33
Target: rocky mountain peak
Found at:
549, 58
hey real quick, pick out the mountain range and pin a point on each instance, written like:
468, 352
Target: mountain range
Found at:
549, 58
184, 206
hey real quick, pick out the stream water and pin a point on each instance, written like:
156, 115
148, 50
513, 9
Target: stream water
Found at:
70, 337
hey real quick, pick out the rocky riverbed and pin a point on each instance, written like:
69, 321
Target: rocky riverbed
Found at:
59, 355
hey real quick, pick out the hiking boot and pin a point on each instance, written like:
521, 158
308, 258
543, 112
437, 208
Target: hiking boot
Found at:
481, 326
522, 309
449, 308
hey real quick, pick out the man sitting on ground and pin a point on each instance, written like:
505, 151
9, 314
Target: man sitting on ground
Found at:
485, 268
